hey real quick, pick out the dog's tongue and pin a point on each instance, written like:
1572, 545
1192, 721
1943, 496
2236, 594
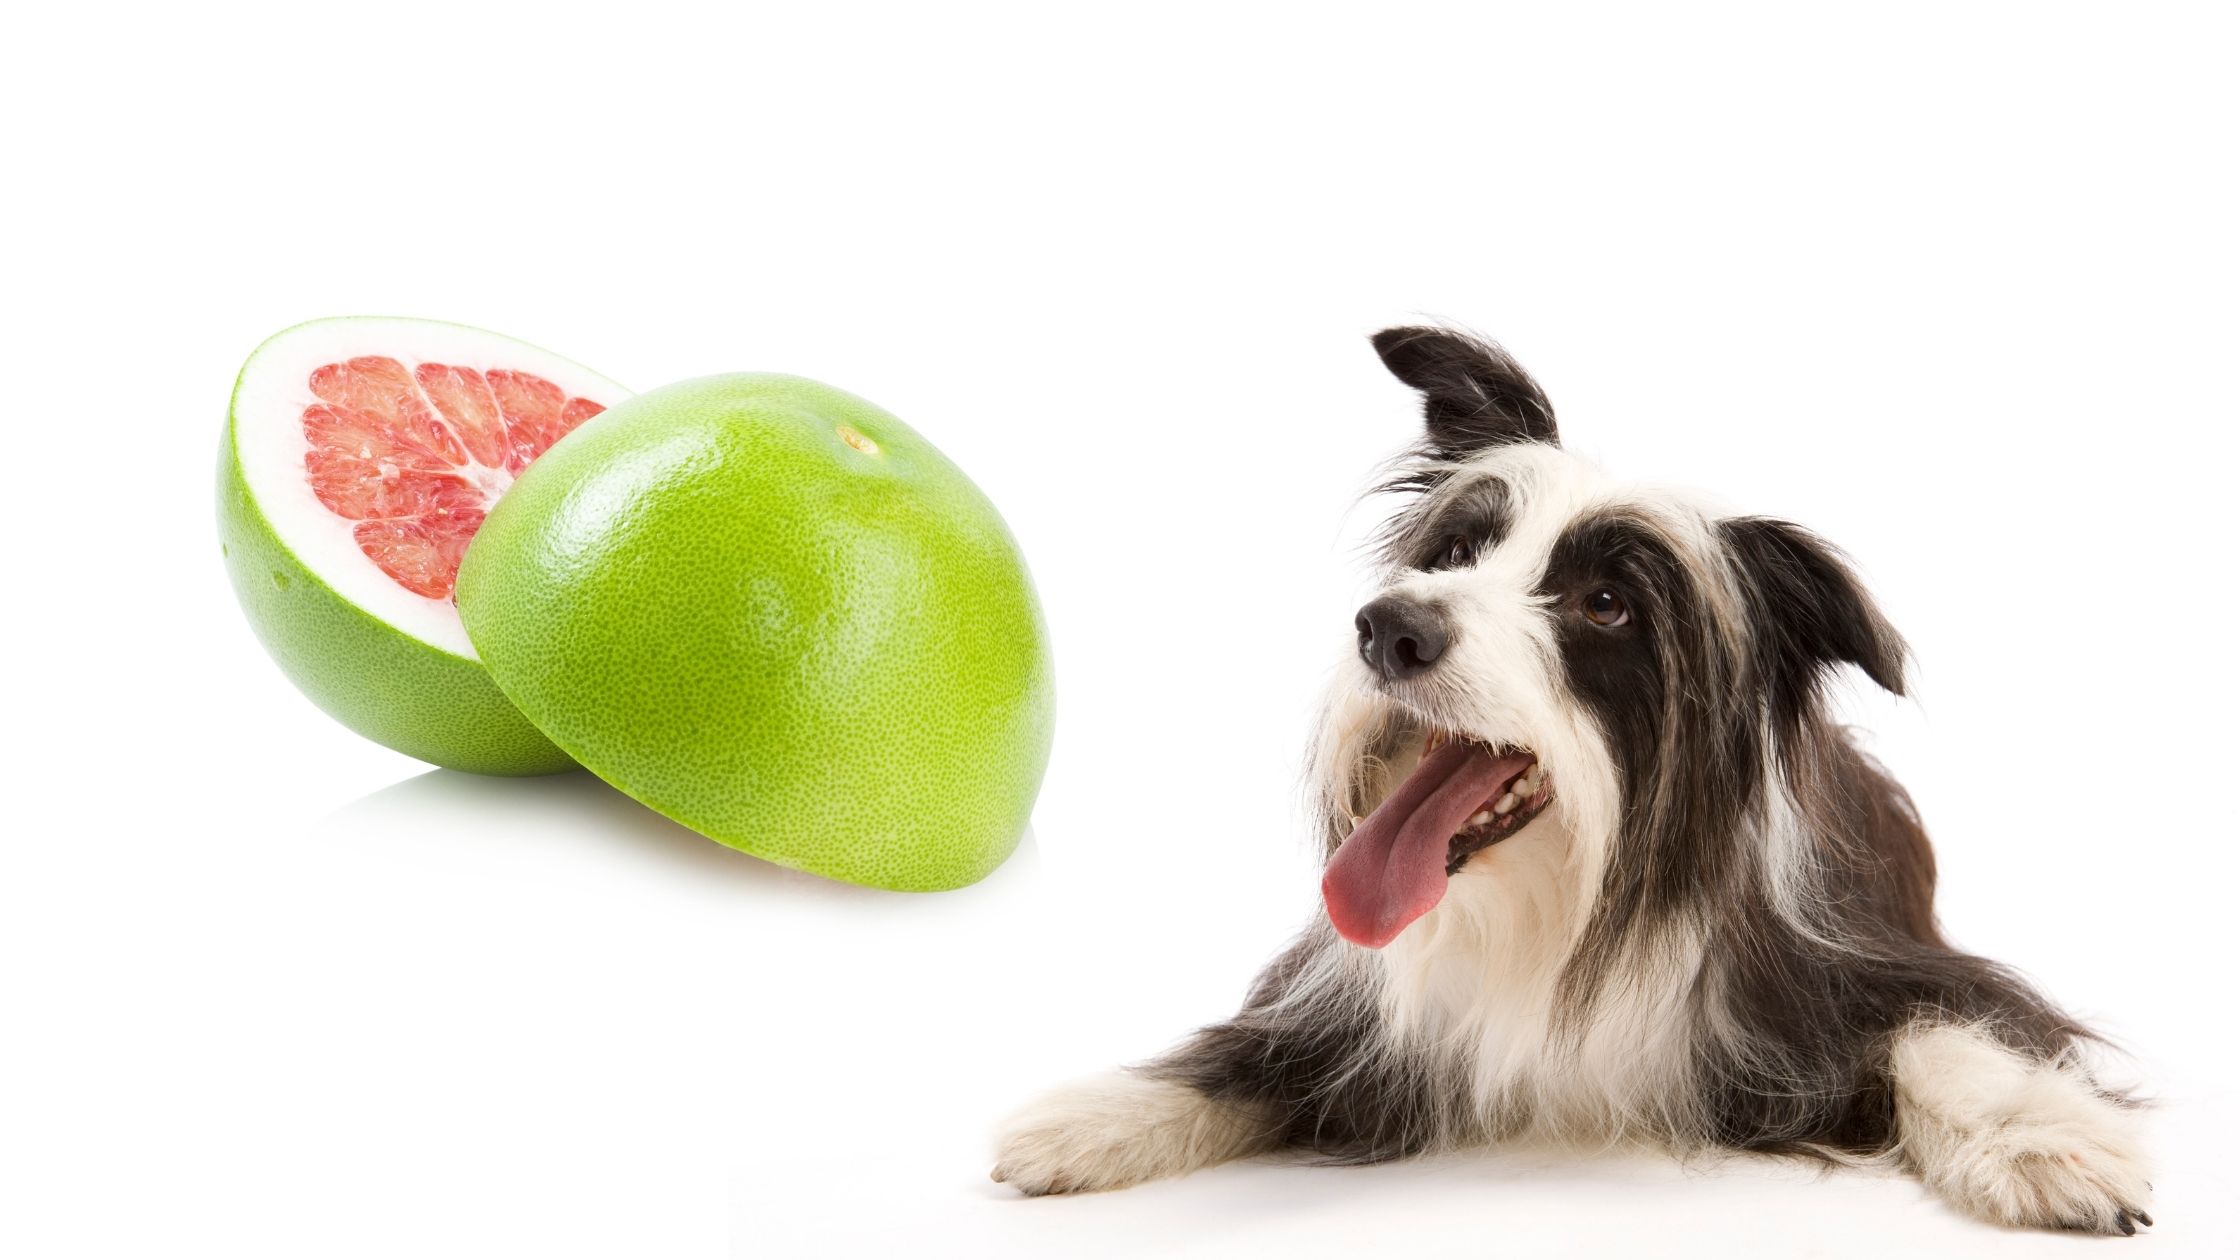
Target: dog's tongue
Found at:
1393, 868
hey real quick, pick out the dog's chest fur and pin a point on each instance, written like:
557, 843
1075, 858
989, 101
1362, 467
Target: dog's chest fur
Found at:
1476, 993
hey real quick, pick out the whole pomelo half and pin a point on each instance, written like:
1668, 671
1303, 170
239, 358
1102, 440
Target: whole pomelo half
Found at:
774, 613
360, 456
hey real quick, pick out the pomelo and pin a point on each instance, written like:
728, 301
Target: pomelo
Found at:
774, 613
360, 456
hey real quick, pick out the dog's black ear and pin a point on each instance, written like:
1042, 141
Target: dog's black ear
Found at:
1474, 395
1809, 610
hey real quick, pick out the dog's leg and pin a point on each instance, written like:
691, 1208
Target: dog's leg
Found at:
2012, 1139
1120, 1129
1296, 1067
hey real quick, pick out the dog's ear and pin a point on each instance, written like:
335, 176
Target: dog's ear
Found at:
1474, 395
1810, 611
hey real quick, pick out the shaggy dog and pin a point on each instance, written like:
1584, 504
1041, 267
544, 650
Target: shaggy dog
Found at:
1602, 869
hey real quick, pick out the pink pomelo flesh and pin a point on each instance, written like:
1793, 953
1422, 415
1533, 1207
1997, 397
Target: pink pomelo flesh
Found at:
1393, 869
416, 455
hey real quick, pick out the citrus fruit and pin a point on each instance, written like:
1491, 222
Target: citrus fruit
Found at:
360, 456
774, 613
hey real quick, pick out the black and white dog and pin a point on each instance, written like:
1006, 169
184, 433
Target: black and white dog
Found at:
1602, 869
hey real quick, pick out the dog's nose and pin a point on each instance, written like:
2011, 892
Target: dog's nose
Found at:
1400, 638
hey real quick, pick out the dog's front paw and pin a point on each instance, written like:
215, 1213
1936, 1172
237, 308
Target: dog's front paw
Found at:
2081, 1187
1116, 1131
2015, 1140
2077, 1173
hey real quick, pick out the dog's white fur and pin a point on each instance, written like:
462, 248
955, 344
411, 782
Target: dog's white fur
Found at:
1526, 900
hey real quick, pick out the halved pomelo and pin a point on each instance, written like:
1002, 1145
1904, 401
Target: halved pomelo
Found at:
359, 458
775, 613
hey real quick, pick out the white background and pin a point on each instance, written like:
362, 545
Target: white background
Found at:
1952, 285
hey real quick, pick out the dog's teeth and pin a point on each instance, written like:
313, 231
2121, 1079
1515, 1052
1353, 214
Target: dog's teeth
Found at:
1507, 802
1481, 818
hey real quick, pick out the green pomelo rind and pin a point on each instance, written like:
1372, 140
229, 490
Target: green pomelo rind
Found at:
386, 685
829, 659
389, 687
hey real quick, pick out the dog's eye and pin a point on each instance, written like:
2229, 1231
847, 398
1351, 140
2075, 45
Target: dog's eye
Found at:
1606, 608
1460, 551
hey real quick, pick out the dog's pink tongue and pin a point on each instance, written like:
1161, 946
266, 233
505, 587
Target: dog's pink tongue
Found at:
1393, 868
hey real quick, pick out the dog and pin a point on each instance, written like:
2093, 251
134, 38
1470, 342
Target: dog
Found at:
1602, 869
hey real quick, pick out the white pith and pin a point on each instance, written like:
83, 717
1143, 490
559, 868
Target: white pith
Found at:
269, 444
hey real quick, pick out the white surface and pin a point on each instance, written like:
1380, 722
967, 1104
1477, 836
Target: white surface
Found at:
1956, 290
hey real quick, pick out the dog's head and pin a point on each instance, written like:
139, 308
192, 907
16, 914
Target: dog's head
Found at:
1552, 644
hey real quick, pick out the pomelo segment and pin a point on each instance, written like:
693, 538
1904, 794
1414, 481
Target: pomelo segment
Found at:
361, 456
